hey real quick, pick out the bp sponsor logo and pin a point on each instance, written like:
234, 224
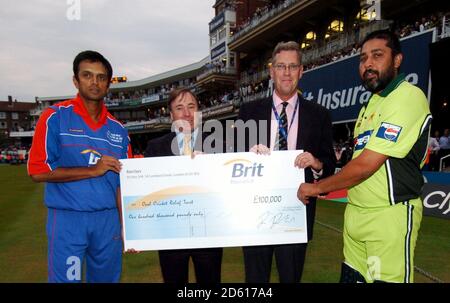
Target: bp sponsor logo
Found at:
389, 131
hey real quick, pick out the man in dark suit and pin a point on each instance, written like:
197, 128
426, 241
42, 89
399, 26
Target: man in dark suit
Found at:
186, 139
292, 123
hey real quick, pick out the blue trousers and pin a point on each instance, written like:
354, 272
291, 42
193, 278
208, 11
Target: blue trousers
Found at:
76, 237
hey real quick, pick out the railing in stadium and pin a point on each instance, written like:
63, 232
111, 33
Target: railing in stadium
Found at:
254, 77
445, 26
343, 41
256, 21
257, 96
146, 99
210, 111
442, 165
131, 124
217, 70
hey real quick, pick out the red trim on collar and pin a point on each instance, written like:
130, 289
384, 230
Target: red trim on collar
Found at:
81, 110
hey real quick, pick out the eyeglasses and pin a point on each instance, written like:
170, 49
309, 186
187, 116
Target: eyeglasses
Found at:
282, 67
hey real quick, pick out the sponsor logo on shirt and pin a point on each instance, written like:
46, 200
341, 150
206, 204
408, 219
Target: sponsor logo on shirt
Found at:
362, 139
76, 130
389, 131
94, 156
117, 138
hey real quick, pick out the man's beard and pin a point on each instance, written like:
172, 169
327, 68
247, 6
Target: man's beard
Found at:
380, 82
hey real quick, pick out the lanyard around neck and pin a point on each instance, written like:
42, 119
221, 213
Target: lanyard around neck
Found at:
280, 124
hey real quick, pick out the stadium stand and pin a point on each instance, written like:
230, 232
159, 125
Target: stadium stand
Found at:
242, 34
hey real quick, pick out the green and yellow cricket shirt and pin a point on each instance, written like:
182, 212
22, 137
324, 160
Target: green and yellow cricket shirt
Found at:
395, 123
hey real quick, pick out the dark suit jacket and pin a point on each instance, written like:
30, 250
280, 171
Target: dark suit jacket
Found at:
314, 135
174, 263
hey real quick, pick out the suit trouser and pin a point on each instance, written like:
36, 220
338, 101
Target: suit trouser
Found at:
207, 265
289, 258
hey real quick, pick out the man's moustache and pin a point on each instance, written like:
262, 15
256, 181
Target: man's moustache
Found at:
370, 71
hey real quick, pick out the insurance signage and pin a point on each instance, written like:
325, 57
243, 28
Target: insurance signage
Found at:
337, 86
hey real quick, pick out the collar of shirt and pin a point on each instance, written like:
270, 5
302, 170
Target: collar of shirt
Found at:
292, 125
180, 139
81, 110
392, 85
277, 101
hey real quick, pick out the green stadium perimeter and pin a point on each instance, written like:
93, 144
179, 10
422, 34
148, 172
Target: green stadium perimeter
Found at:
23, 243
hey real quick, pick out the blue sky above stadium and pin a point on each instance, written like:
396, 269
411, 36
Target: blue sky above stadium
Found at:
140, 37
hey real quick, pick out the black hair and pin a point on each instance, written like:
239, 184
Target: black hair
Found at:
391, 38
91, 56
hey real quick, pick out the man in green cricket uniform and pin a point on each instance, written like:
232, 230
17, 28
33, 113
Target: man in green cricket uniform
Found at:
382, 218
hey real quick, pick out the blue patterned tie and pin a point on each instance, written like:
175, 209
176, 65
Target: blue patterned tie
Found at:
282, 143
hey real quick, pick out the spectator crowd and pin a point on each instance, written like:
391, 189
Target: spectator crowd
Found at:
438, 148
14, 155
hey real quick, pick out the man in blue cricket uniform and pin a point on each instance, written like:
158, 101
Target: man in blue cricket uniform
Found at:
75, 150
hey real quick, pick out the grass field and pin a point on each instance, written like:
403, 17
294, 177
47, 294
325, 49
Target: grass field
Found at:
23, 242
